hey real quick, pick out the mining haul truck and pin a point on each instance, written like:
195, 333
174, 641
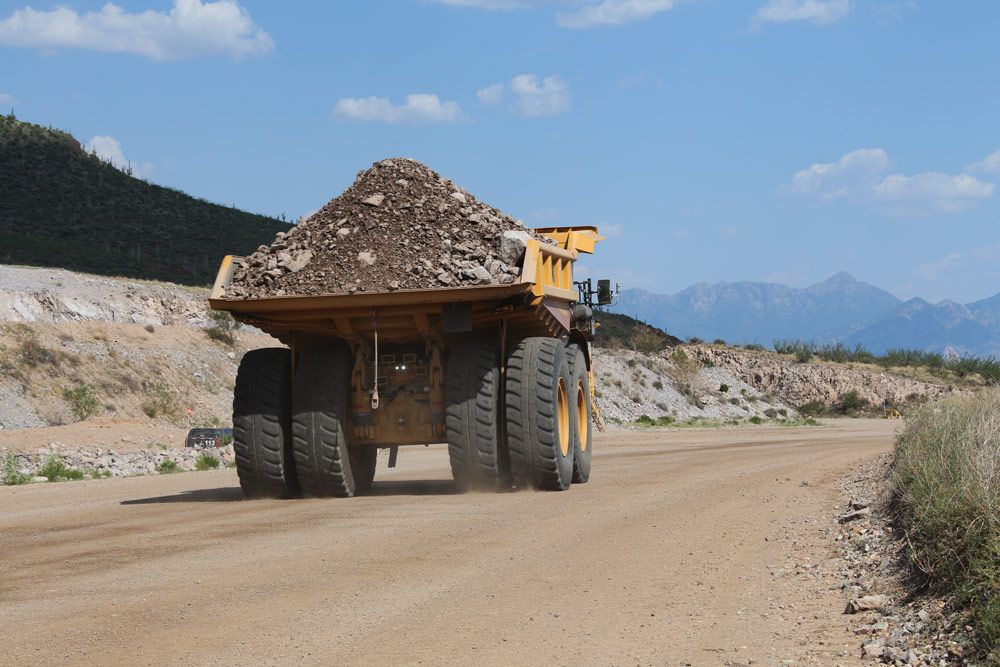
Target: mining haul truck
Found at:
502, 373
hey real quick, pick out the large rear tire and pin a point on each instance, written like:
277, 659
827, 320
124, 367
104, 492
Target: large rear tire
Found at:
320, 393
472, 420
539, 431
262, 424
583, 436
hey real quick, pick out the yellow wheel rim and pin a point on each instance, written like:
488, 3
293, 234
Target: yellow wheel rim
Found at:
562, 410
582, 424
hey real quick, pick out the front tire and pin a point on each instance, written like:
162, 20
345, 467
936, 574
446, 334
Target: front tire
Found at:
262, 424
583, 435
539, 432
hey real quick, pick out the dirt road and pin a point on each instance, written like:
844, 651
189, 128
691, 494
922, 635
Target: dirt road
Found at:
687, 547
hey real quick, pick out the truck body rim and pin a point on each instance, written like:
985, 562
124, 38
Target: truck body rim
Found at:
562, 407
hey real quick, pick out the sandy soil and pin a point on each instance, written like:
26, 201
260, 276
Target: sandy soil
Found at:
687, 547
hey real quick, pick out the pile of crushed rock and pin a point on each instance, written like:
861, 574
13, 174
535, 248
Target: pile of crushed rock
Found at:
399, 226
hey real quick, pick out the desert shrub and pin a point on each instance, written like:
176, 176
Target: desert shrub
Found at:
223, 327
946, 478
734, 400
657, 384
665, 420
167, 466
630, 363
851, 403
756, 347
812, 408
12, 475
82, 401
719, 341
150, 328
771, 413
756, 420
160, 401
684, 372
645, 420
647, 342
206, 462
724, 388
34, 354
56, 470
694, 340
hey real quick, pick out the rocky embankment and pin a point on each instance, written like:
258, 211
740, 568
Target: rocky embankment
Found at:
99, 462
798, 383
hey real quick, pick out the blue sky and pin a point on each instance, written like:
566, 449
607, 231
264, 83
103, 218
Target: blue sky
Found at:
779, 140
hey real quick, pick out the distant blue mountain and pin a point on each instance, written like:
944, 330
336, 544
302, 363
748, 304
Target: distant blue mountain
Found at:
840, 308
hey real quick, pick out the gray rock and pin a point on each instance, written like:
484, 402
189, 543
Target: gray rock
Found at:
366, 258
512, 246
299, 261
342, 233
374, 200
478, 273
866, 603
458, 196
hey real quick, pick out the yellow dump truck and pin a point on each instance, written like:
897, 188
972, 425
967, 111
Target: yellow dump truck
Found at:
502, 373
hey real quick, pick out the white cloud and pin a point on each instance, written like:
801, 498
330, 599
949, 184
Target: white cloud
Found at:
613, 12
819, 12
547, 97
192, 28
729, 231
491, 95
6, 99
418, 108
860, 176
935, 269
832, 180
490, 4
611, 231
989, 165
110, 150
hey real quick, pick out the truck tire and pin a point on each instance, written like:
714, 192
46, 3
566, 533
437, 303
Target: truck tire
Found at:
472, 419
320, 393
262, 424
363, 463
539, 431
583, 435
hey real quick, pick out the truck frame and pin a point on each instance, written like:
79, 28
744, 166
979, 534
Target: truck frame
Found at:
502, 373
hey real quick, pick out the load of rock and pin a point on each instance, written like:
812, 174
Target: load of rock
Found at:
399, 226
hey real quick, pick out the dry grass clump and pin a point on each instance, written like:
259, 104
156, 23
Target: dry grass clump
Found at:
947, 480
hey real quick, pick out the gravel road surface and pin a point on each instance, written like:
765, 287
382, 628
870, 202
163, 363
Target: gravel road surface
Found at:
695, 547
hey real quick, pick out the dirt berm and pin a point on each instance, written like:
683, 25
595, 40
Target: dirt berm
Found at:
399, 226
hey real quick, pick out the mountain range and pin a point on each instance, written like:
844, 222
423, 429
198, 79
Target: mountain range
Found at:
839, 309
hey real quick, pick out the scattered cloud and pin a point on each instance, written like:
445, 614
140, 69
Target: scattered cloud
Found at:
530, 96
988, 165
491, 95
548, 97
490, 4
860, 176
611, 231
110, 150
933, 270
419, 108
613, 12
818, 12
191, 29
729, 231
6, 99
640, 79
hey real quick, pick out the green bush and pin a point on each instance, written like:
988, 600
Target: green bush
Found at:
82, 402
206, 462
724, 388
12, 475
719, 341
223, 327
56, 470
645, 420
167, 466
756, 420
851, 403
694, 340
160, 401
946, 478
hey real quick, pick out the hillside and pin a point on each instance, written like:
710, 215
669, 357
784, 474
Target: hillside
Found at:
62, 207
